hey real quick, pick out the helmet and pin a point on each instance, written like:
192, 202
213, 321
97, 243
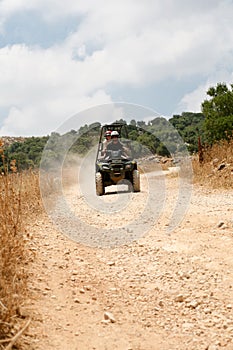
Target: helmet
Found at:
115, 133
107, 133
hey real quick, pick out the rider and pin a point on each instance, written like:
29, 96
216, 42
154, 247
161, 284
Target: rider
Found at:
115, 144
107, 136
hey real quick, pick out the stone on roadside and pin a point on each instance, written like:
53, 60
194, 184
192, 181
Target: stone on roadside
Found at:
193, 304
108, 316
215, 162
105, 321
212, 347
221, 166
220, 224
22, 312
179, 298
88, 288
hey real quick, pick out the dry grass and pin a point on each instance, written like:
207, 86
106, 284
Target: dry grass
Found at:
12, 253
19, 196
216, 170
30, 195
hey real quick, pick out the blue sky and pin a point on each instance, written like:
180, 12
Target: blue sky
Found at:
31, 29
58, 58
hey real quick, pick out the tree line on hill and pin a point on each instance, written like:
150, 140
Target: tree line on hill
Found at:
212, 125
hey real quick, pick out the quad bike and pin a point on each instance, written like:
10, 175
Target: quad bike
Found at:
113, 167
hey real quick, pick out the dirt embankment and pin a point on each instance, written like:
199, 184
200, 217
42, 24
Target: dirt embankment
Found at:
166, 290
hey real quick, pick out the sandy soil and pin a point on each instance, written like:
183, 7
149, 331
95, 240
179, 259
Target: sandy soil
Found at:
164, 290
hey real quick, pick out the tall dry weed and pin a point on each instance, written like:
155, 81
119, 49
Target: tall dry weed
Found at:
12, 251
19, 198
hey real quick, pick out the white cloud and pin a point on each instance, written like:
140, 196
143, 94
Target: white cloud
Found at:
125, 43
44, 87
50, 115
192, 101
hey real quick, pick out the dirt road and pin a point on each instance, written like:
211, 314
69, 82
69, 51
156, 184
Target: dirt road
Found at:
162, 291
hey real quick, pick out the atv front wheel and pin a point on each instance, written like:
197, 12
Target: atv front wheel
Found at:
136, 181
99, 184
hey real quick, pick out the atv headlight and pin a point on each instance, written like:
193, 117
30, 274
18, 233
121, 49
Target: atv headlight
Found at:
105, 167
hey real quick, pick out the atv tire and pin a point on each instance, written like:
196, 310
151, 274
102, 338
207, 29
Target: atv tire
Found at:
136, 181
99, 184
